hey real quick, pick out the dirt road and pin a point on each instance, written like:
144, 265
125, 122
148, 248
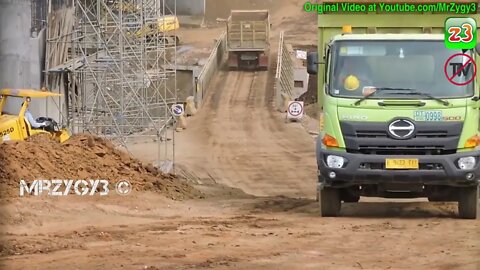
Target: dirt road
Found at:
233, 231
245, 143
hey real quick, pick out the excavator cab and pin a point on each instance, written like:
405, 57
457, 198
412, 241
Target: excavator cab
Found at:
17, 128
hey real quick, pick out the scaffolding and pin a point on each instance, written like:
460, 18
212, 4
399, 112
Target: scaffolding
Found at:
116, 69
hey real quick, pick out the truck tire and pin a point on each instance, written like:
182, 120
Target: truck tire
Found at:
329, 200
468, 203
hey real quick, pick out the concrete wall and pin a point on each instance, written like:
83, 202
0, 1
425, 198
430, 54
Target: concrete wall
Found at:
14, 46
284, 77
14, 43
21, 59
214, 62
184, 84
300, 74
188, 7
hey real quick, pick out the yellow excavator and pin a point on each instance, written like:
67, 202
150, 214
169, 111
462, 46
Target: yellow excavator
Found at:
162, 29
17, 128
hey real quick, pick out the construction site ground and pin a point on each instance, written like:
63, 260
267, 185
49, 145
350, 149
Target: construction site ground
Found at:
257, 209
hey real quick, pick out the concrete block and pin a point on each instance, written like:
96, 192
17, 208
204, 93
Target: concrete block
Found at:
190, 108
181, 122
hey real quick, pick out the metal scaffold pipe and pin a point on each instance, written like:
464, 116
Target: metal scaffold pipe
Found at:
121, 68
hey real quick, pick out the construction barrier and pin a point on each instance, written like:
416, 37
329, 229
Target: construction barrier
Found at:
214, 62
181, 123
284, 78
190, 108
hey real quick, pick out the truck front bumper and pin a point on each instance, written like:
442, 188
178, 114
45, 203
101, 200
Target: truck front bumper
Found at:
370, 169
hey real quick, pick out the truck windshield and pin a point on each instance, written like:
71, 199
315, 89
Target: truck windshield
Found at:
361, 66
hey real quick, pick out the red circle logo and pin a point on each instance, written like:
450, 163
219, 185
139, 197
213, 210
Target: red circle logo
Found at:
460, 70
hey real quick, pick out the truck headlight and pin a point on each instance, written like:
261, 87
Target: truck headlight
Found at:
466, 163
335, 161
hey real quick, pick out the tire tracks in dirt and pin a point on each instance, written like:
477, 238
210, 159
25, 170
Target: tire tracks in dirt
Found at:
247, 144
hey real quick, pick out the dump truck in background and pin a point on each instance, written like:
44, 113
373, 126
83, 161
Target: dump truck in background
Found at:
248, 33
392, 124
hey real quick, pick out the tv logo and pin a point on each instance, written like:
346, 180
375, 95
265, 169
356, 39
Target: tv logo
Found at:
460, 33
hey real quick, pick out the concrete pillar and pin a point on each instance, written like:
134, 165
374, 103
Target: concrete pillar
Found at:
15, 43
19, 66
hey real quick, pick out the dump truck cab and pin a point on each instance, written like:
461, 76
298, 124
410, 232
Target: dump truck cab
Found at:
392, 124
15, 127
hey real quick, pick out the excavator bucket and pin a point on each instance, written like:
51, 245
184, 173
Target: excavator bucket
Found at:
62, 135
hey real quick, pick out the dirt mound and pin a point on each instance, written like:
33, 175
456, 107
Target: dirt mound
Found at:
82, 157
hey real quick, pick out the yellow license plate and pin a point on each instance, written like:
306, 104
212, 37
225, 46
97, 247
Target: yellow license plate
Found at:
401, 164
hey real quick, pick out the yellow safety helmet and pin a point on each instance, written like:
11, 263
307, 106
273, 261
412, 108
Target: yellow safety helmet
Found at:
351, 83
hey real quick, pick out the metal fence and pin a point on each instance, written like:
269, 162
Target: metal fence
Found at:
210, 68
284, 78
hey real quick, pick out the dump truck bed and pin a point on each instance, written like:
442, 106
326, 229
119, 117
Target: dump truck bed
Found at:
248, 30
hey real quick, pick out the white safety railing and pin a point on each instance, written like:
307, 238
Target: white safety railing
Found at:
284, 78
214, 62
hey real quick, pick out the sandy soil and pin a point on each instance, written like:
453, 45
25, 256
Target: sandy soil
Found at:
233, 231
83, 157
257, 176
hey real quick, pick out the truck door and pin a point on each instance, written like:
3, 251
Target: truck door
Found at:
326, 75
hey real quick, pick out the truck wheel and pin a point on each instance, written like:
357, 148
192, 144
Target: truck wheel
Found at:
468, 203
329, 200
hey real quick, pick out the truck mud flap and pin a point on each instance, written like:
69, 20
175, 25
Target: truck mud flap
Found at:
232, 61
263, 61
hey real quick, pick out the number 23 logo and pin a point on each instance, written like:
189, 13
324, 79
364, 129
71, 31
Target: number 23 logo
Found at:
455, 31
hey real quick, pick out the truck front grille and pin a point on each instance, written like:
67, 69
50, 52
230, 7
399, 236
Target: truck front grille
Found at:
431, 138
379, 150
384, 134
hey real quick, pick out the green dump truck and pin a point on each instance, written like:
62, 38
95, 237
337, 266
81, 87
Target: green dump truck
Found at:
393, 123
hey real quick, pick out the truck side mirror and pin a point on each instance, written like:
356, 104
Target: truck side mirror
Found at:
477, 48
312, 63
